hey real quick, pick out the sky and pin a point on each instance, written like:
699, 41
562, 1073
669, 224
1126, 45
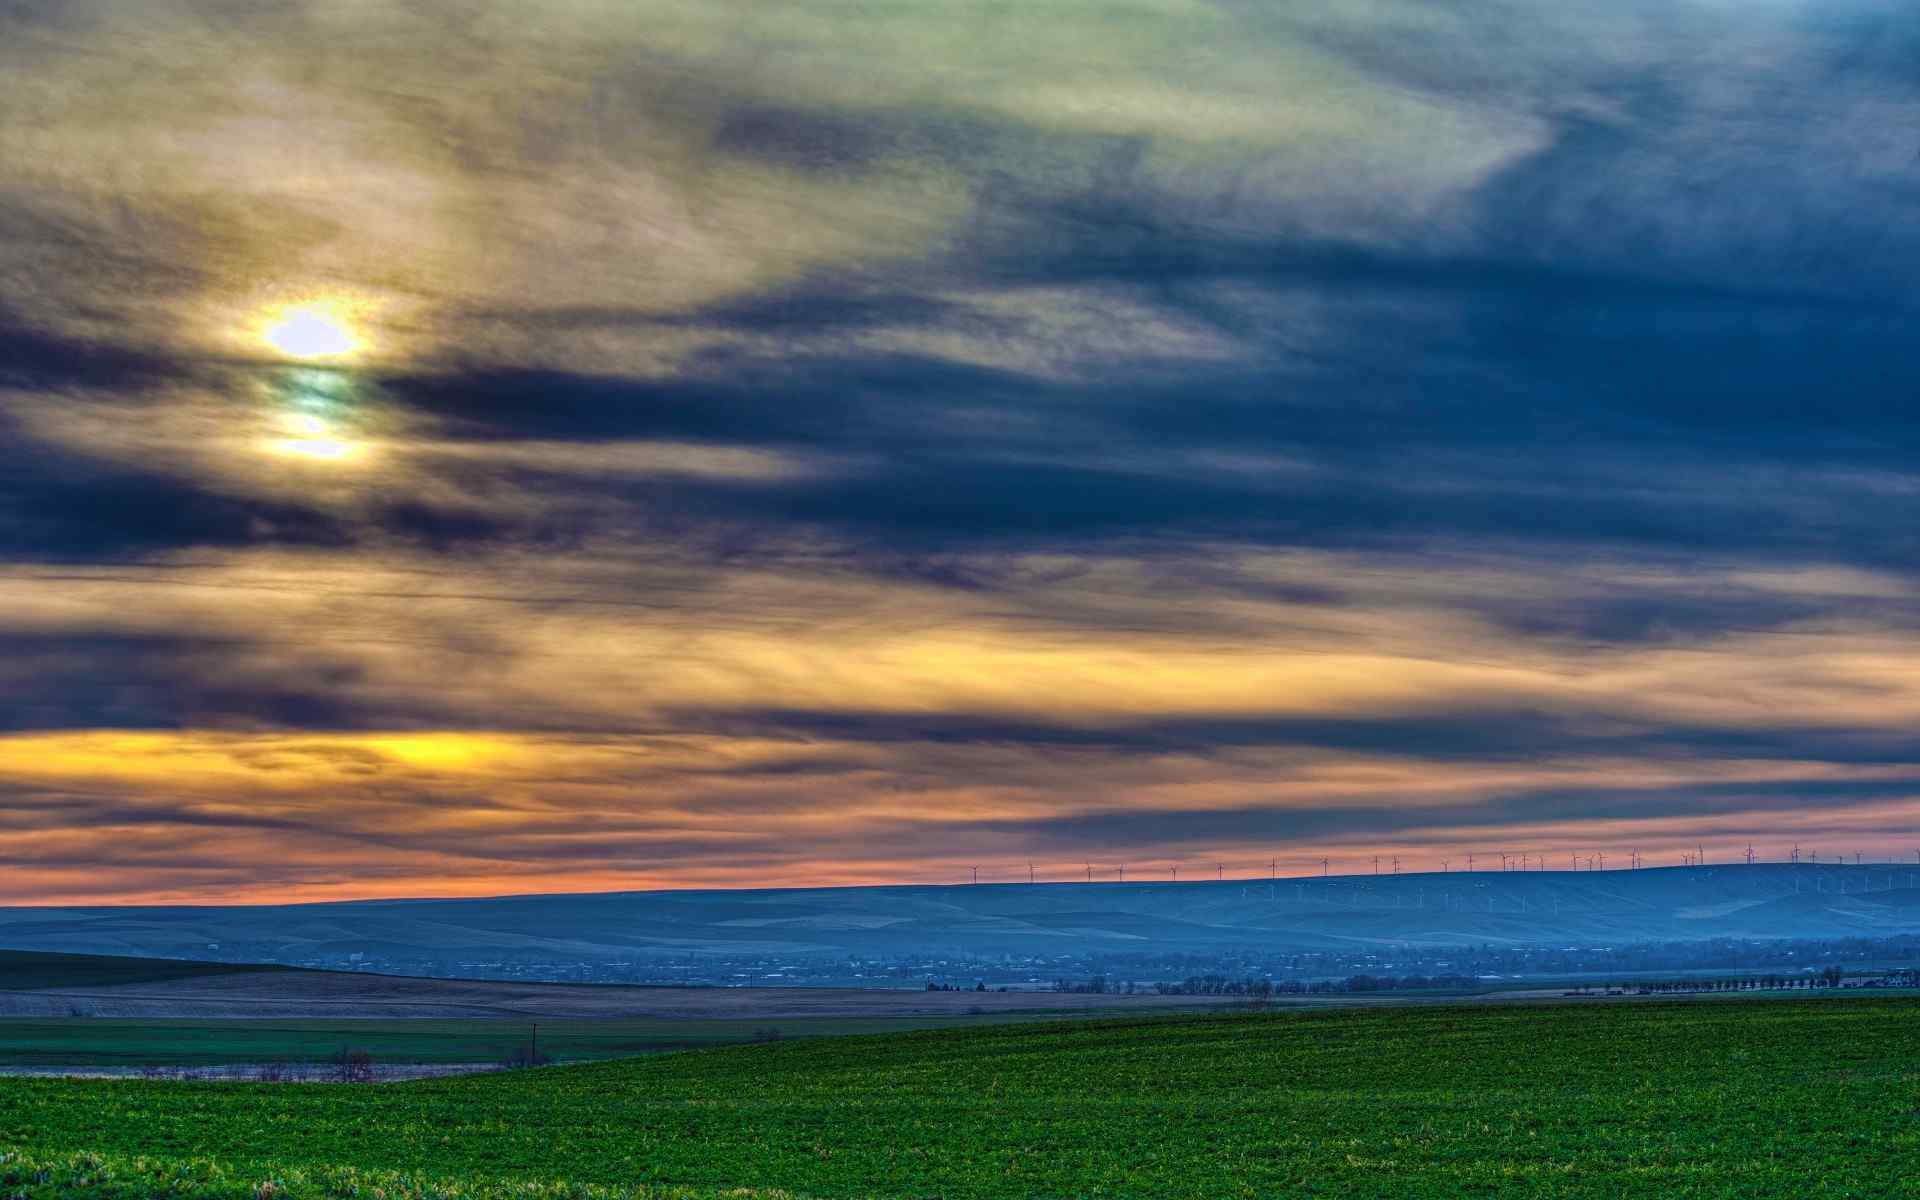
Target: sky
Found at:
462, 447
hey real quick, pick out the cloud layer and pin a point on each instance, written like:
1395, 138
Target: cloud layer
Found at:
848, 442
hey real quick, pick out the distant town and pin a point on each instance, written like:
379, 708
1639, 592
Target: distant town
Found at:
1409, 968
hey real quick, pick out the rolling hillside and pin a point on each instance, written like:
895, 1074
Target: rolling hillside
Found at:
1510, 908
32, 969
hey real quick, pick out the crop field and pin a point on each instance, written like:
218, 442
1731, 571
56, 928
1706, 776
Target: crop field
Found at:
1735, 1098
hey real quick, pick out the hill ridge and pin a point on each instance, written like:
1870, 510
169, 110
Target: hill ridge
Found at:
1429, 909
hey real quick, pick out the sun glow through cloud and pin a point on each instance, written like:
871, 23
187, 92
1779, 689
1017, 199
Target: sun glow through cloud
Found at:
328, 449
307, 435
312, 437
312, 332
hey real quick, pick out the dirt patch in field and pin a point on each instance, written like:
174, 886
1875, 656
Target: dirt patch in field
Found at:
255, 1072
318, 994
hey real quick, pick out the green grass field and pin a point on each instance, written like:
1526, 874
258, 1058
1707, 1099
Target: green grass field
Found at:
1738, 1098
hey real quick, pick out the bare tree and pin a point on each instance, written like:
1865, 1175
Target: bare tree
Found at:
352, 1066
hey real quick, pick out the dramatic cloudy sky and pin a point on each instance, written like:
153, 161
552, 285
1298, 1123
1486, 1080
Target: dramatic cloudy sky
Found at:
462, 446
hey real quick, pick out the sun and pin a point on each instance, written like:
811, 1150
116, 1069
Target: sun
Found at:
311, 332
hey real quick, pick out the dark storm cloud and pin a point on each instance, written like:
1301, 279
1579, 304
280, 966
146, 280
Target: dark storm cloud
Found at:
1489, 733
1708, 808
36, 358
806, 141
60, 505
1674, 617
115, 679
764, 402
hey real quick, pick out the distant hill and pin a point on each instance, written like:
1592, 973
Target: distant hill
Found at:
38, 969
1768, 900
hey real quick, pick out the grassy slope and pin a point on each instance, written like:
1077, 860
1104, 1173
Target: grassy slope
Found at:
28, 969
1732, 1099
1738, 1098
